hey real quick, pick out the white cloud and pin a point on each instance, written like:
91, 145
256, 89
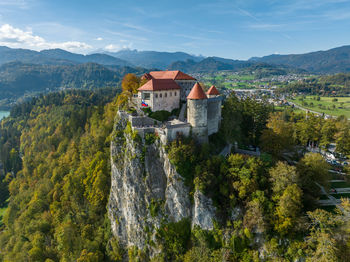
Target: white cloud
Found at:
99, 39
112, 47
18, 38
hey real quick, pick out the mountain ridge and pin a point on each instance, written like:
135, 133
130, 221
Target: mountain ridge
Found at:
334, 60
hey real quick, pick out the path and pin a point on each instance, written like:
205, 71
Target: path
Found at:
331, 200
226, 151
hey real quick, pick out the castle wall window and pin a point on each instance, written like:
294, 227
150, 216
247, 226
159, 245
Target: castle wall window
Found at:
160, 95
156, 95
174, 93
146, 96
166, 94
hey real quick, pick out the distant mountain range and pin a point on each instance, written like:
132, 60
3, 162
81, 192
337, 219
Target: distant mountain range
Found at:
335, 60
324, 62
153, 59
56, 57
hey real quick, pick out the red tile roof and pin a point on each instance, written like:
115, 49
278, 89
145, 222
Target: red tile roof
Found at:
146, 76
197, 93
213, 91
159, 84
175, 75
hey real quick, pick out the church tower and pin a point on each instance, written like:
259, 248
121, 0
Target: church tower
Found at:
197, 113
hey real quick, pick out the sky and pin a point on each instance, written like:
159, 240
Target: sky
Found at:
236, 29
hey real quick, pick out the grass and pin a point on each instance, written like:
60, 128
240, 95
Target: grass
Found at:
340, 184
344, 195
325, 105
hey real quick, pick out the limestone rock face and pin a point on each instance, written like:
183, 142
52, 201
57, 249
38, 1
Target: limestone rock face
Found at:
146, 191
203, 211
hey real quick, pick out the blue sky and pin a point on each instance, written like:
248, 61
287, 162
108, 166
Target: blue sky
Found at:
233, 29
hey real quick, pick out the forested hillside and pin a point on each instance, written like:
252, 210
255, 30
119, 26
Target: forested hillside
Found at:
17, 78
58, 192
335, 60
56, 158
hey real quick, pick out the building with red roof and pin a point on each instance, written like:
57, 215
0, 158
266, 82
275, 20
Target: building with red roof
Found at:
165, 90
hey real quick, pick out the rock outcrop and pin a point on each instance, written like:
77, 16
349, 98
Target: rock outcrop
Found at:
146, 191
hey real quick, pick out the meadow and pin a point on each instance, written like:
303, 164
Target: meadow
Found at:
334, 106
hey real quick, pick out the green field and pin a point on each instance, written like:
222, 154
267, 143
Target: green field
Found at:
325, 105
342, 195
340, 184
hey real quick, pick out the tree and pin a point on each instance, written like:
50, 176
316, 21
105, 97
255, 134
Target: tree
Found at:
130, 84
288, 210
282, 175
313, 171
322, 243
232, 118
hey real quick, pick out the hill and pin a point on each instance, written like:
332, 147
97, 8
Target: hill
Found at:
335, 60
17, 78
56, 57
214, 64
153, 59
210, 64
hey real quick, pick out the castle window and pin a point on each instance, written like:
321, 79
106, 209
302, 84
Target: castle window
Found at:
160, 95
146, 96
166, 94
174, 93
156, 95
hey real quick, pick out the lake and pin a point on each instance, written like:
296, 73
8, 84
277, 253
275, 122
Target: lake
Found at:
4, 114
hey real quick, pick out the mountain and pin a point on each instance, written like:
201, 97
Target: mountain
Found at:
17, 78
335, 60
56, 57
210, 64
102, 59
153, 59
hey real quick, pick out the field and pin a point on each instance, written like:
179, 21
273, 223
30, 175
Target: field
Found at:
326, 105
231, 80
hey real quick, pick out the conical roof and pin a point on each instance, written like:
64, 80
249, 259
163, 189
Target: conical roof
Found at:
197, 92
213, 91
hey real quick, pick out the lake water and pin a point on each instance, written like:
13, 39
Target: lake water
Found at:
4, 114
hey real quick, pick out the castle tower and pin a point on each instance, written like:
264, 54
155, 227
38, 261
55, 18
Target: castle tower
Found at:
197, 113
214, 110
212, 92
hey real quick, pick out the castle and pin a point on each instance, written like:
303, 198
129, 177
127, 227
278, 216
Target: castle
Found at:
169, 90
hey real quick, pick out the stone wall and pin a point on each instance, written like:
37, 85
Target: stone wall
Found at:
214, 114
186, 87
197, 111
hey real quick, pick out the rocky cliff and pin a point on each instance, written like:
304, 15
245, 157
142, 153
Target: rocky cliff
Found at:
146, 191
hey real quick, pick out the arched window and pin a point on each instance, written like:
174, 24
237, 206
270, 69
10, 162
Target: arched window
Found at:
166, 94
160, 95
156, 95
